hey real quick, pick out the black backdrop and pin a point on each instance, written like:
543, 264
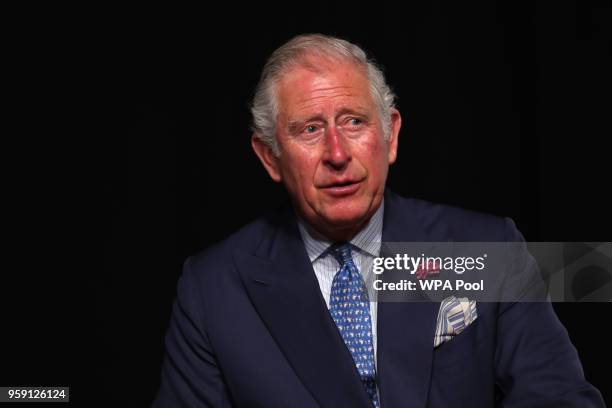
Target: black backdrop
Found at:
506, 109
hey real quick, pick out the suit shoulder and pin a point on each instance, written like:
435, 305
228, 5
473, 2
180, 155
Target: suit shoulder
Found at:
442, 222
219, 256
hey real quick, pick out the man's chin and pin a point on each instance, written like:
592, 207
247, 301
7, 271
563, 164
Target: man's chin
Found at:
346, 217
340, 219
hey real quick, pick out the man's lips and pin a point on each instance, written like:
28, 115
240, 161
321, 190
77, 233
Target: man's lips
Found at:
342, 188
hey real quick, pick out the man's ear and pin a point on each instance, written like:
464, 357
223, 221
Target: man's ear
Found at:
267, 157
396, 124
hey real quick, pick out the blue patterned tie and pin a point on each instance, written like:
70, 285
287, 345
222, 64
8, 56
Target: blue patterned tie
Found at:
350, 309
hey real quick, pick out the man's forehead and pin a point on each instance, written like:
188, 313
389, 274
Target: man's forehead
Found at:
341, 84
322, 66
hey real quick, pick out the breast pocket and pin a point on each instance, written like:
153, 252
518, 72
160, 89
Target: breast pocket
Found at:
462, 348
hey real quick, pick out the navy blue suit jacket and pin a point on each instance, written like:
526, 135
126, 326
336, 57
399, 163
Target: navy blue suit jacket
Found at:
250, 328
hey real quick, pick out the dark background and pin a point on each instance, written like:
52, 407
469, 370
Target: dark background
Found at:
505, 105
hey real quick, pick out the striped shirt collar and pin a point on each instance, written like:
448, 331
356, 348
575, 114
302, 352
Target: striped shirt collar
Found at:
367, 240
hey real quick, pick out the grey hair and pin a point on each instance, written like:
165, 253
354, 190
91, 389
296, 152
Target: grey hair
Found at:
264, 108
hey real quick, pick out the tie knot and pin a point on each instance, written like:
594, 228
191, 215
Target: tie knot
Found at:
342, 253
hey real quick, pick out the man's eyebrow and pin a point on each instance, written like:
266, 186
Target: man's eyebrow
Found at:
358, 110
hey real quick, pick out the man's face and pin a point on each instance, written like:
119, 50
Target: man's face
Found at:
333, 155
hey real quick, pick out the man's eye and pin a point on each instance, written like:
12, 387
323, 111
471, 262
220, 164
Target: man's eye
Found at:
311, 129
355, 121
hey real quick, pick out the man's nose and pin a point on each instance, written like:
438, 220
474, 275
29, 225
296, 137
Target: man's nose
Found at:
337, 154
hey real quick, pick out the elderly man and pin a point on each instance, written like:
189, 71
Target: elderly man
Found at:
277, 315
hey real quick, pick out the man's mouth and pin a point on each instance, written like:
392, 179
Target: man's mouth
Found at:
342, 188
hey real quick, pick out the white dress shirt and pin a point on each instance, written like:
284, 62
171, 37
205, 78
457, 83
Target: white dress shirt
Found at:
365, 247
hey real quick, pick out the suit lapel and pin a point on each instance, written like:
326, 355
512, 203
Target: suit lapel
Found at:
405, 330
281, 284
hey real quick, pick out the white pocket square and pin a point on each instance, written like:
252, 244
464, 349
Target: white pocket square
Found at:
454, 316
